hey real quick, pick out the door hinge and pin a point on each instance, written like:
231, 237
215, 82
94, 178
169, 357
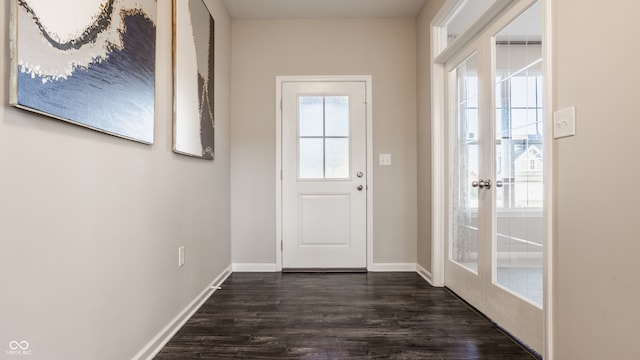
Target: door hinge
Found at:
364, 99
281, 175
281, 104
281, 245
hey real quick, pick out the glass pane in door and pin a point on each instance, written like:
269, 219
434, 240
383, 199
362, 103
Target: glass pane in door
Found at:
323, 137
464, 165
519, 156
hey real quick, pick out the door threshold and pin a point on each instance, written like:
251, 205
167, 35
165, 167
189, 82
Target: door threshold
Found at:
519, 342
324, 270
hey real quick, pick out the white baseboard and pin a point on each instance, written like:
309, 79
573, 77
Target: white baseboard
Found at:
424, 273
258, 267
393, 267
156, 344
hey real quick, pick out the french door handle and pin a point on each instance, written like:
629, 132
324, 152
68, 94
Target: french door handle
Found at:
360, 187
481, 184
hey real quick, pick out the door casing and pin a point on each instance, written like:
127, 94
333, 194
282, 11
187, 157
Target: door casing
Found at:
367, 79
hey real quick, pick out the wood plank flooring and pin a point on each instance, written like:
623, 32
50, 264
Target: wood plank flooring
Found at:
337, 316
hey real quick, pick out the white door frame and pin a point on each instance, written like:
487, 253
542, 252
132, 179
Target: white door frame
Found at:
367, 79
439, 56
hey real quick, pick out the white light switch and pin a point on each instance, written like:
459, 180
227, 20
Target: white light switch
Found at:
564, 122
385, 159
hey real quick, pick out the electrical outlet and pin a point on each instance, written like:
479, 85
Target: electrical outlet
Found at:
181, 256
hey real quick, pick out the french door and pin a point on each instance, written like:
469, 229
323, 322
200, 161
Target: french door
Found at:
495, 155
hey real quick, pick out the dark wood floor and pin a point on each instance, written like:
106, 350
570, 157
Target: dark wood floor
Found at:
337, 316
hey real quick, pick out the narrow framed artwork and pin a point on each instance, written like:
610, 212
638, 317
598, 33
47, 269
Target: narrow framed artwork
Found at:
193, 79
90, 63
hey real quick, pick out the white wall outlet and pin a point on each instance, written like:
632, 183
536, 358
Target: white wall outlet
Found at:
181, 256
385, 159
564, 122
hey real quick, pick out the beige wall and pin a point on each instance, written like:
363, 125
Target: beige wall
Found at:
423, 46
90, 224
264, 49
595, 58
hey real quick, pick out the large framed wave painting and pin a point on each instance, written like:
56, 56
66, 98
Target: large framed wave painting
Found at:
89, 62
193, 79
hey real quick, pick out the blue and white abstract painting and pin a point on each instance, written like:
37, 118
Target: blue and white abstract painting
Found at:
193, 124
89, 62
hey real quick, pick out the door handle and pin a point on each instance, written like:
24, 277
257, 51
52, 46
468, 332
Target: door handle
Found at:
360, 187
481, 184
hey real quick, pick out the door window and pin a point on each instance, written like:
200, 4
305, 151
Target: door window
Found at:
323, 137
519, 156
464, 163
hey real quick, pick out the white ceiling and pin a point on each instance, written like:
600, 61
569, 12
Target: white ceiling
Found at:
261, 9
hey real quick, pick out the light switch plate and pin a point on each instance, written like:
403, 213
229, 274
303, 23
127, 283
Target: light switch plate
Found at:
564, 122
385, 159
181, 256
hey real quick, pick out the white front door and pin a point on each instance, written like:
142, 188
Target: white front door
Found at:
324, 175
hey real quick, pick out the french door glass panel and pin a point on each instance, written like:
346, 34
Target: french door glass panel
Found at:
464, 165
519, 157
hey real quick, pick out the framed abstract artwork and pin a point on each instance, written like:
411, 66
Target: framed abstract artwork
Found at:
193, 79
89, 62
